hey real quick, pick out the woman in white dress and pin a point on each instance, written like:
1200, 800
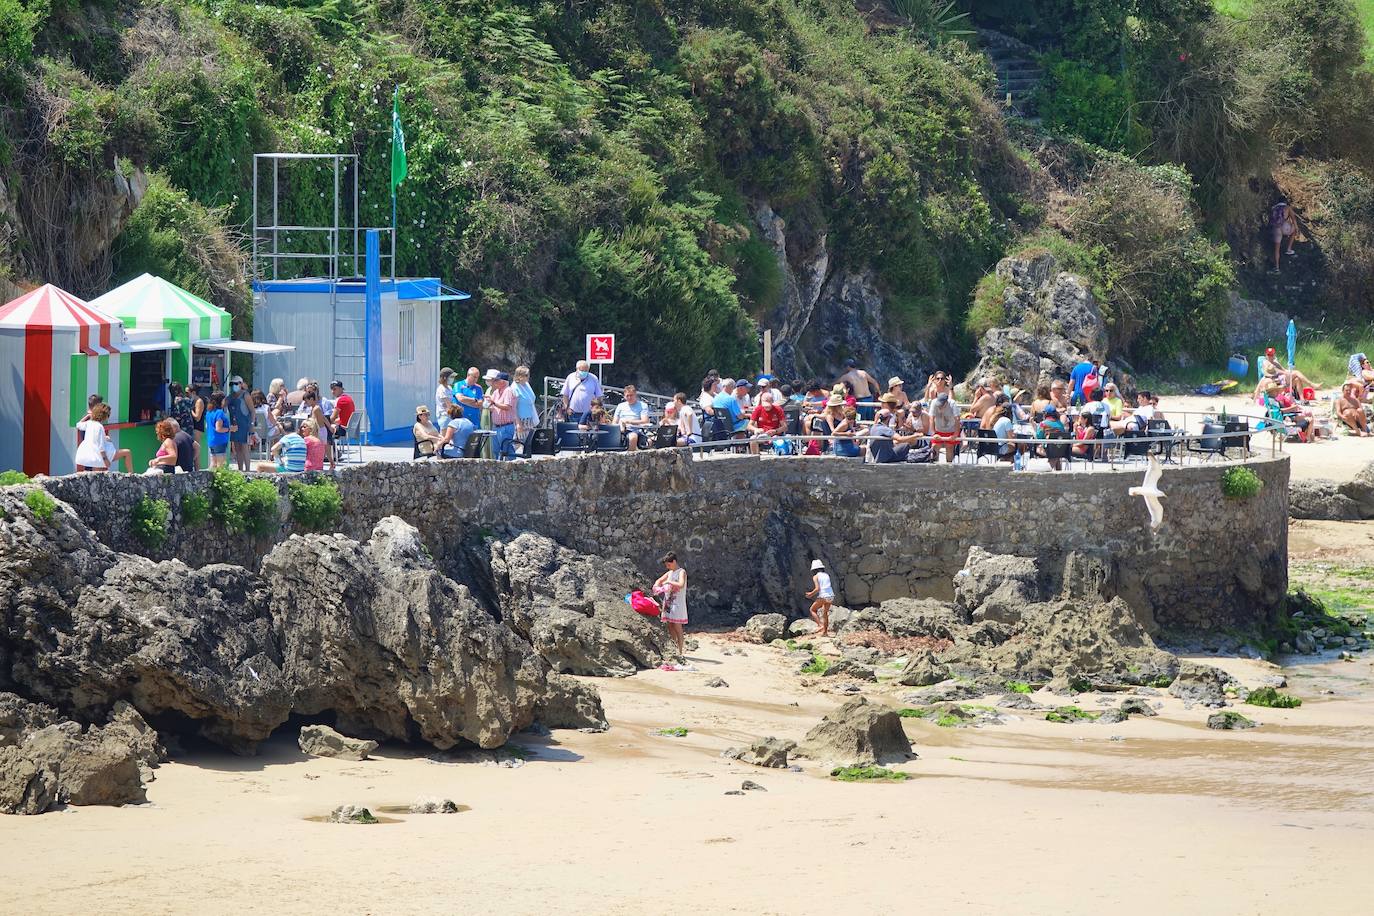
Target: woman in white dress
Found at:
673, 583
96, 452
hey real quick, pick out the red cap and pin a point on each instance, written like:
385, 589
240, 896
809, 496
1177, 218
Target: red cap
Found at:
1269, 352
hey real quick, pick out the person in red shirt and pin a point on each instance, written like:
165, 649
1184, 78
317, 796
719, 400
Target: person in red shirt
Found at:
343, 412
766, 422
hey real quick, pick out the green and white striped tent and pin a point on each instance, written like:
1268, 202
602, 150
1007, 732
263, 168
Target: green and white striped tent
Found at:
149, 302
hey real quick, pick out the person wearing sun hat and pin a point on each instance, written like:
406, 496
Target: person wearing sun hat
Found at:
895, 387
824, 593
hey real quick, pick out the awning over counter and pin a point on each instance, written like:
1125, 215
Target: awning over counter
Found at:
245, 346
146, 340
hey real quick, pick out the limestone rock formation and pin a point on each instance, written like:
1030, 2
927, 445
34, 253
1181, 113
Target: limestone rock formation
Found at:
922, 670
1251, 326
323, 741
1321, 499
571, 607
1050, 322
370, 631
766, 627
766, 752
45, 759
1203, 684
996, 587
908, 617
859, 733
567, 703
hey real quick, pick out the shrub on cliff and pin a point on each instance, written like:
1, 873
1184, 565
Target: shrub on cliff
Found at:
148, 521
40, 504
241, 505
315, 506
1240, 483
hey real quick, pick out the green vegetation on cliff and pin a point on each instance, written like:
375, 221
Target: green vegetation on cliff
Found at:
577, 166
609, 164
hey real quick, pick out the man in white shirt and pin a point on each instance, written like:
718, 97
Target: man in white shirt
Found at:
632, 416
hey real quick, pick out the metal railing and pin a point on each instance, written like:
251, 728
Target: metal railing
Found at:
552, 399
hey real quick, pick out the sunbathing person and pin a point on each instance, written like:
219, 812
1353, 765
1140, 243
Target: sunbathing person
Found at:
1349, 409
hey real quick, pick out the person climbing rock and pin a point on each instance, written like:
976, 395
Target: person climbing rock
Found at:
1282, 225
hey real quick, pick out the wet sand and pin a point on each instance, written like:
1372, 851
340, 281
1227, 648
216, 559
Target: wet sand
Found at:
1028, 817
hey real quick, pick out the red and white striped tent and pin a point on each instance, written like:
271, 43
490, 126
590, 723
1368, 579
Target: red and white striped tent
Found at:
55, 350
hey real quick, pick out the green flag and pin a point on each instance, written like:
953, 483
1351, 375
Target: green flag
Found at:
398, 143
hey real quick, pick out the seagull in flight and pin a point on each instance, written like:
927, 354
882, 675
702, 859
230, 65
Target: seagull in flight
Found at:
1150, 492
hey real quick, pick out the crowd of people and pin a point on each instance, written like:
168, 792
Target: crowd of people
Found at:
856, 415
299, 430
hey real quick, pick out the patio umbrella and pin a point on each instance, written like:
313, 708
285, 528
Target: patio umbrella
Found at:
1292, 341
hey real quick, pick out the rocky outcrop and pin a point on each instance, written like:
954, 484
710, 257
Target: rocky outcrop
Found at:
46, 760
371, 632
1252, 326
765, 627
859, 733
571, 607
1050, 322
766, 752
567, 703
840, 310
1321, 499
323, 741
1335, 501
908, 617
995, 587
1203, 684
922, 670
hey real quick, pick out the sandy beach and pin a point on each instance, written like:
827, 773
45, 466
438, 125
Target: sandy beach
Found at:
1338, 459
1147, 815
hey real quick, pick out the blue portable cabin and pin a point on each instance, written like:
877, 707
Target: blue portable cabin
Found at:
378, 335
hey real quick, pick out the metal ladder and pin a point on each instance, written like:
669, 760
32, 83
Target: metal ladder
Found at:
350, 342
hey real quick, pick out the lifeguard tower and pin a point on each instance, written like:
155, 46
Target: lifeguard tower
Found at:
327, 284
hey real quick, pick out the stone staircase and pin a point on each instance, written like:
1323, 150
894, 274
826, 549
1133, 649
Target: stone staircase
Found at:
1018, 75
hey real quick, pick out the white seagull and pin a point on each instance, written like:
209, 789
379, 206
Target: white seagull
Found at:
1150, 491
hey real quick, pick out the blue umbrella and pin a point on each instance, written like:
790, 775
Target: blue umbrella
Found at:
1292, 341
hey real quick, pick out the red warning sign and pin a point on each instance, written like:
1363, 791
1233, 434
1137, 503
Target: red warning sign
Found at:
600, 348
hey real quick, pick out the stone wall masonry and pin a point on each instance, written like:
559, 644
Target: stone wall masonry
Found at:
747, 528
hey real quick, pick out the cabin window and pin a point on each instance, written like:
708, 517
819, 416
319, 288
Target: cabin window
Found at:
407, 334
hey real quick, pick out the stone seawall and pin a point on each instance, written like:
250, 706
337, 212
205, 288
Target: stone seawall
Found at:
747, 528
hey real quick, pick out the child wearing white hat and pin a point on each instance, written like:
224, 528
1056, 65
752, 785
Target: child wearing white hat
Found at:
824, 594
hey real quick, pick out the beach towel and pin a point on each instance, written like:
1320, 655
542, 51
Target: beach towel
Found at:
643, 604
1354, 364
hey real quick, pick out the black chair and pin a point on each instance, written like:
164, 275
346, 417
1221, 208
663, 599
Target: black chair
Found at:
415, 452
665, 436
1130, 448
968, 429
986, 445
609, 439
1232, 441
473, 447
1058, 446
1211, 444
568, 438
541, 441
719, 427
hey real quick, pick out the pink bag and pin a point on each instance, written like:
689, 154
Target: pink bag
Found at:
643, 604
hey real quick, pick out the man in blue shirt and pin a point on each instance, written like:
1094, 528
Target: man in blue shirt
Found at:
579, 388
469, 396
1079, 373
727, 404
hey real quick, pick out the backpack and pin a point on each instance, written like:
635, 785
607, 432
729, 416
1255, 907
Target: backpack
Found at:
1278, 215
